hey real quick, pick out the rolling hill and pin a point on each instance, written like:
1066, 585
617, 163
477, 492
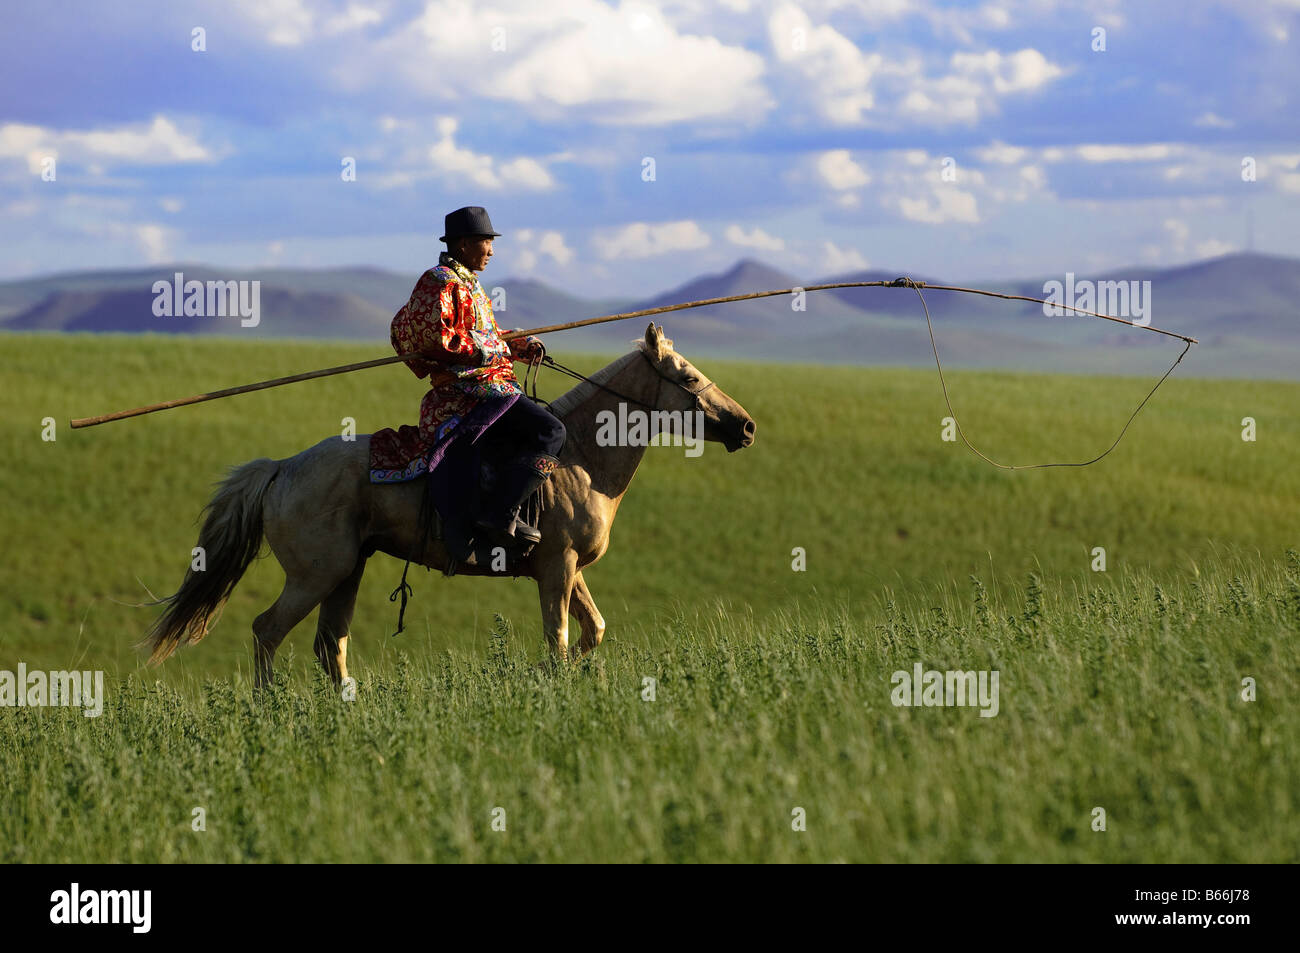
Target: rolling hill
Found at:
1241, 307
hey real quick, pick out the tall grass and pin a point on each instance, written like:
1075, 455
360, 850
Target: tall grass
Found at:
1125, 695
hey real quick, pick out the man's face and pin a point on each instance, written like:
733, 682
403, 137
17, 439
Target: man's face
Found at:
473, 252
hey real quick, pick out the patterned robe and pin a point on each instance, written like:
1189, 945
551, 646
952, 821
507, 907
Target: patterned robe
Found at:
448, 317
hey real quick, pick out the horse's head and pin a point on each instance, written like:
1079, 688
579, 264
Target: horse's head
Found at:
725, 421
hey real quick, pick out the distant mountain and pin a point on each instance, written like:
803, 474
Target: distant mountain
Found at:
1242, 307
532, 304
762, 326
743, 277
283, 313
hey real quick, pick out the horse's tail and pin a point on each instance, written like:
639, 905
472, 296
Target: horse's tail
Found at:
231, 538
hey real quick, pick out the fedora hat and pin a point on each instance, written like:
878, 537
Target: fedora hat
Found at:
470, 220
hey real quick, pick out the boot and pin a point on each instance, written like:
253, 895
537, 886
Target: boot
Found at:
515, 484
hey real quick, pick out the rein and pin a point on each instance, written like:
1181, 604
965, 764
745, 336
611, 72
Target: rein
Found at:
695, 394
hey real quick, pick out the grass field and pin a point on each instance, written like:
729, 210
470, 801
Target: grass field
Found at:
1119, 689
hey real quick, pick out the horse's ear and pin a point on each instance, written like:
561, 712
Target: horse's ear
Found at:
656, 342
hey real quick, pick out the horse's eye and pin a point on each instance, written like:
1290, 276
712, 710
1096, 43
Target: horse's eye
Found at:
692, 380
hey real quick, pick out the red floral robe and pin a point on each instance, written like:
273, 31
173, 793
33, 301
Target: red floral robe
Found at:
449, 317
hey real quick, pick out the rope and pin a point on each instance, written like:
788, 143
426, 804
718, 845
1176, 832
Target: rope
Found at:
404, 588
664, 309
556, 365
917, 285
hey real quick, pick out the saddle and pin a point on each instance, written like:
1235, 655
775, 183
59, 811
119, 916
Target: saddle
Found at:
458, 533
453, 525
453, 495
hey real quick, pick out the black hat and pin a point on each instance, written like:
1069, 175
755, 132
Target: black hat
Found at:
470, 220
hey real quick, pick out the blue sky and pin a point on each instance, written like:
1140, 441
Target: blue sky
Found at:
959, 141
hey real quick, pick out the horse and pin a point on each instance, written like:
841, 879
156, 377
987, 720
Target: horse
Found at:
323, 518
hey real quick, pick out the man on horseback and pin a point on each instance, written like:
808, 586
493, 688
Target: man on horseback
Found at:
449, 321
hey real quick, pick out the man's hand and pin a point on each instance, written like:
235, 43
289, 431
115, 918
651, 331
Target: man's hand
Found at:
529, 349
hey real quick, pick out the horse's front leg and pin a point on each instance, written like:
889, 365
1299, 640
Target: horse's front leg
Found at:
588, 616
554, 586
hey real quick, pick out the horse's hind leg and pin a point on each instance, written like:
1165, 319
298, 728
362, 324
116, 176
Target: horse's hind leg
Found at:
334, 622
269, 629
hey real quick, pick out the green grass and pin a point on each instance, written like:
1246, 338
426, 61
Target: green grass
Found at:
1124, 697
1119, 689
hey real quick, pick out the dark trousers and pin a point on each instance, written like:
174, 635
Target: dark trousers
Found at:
525, 430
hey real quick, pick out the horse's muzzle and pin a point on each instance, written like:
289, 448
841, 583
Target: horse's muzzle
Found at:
747, 437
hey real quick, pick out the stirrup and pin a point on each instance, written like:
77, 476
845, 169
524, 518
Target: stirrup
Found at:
515, 532
526, 532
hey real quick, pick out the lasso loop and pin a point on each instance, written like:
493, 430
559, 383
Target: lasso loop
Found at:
905, 282
916, 286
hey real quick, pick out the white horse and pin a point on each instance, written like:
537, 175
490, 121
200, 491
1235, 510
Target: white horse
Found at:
324, 518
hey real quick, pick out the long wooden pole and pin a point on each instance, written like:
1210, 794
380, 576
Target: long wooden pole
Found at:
585, 322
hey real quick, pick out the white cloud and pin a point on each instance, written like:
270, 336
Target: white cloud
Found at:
943, 204
151, 239
755, 238
995, 17
285, 22
1033, 177
526, 174
1125, 153
158, 143
1001, 153
482, 169
354, 17
552, 244
838, 170
533, 246
974, 84
916, 186
1271, 168
836, 259
31, 143
1009, 73
294, 22
627, 65
644, 240
834, 74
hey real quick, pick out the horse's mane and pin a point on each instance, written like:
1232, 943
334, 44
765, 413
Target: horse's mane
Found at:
584, 389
